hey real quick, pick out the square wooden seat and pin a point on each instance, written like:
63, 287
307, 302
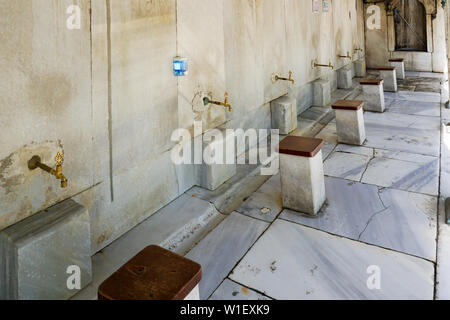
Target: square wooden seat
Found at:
371, 82
386, 68
348, 105
301, 146
153, 274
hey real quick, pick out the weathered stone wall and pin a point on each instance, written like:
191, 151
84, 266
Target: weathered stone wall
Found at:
106, 97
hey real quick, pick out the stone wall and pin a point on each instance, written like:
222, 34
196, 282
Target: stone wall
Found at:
105, 95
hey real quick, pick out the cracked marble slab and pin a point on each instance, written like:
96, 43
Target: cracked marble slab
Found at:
221, 249
404, 175
266, 202
348, 166
295, 262
393, 219
232, 291
385, 168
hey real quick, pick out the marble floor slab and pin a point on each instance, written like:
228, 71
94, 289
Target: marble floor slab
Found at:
402, 121
232, 291
404, 175
295, 262
385, 168
420, 108
221, 249
393, 219
346, 165
402, 139
266, 202
414, 96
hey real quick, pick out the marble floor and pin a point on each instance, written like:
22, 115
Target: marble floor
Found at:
380, 235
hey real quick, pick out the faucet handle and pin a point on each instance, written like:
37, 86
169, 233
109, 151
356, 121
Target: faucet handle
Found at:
59, 159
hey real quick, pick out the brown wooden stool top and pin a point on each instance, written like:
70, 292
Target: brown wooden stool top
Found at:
348, 105
386, 68
300, 146
373, 82
153, 274
396, 60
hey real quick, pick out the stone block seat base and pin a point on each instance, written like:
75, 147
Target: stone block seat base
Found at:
302, 176
284, 114
350, 121
154, 274
399, 64
389, 75
373, 94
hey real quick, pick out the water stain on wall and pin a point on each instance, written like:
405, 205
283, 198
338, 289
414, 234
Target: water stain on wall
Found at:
49, 93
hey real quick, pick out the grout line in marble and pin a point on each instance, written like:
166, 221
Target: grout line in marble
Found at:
246, 286
390, 188
438, 220
358, 241
269, 224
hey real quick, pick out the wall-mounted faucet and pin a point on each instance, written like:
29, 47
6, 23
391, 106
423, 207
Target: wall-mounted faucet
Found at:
348, 56
225, 104
329, 65
277, 78
359, 49
35, 162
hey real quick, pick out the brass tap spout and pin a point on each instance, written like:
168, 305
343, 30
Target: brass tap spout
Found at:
329, 65
348, 56
286, 79
35, 162
225, 104
359, 49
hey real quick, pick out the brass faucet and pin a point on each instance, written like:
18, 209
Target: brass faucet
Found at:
348, 56
225, 104
329, 65
359, 49
286, 79
35, 162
